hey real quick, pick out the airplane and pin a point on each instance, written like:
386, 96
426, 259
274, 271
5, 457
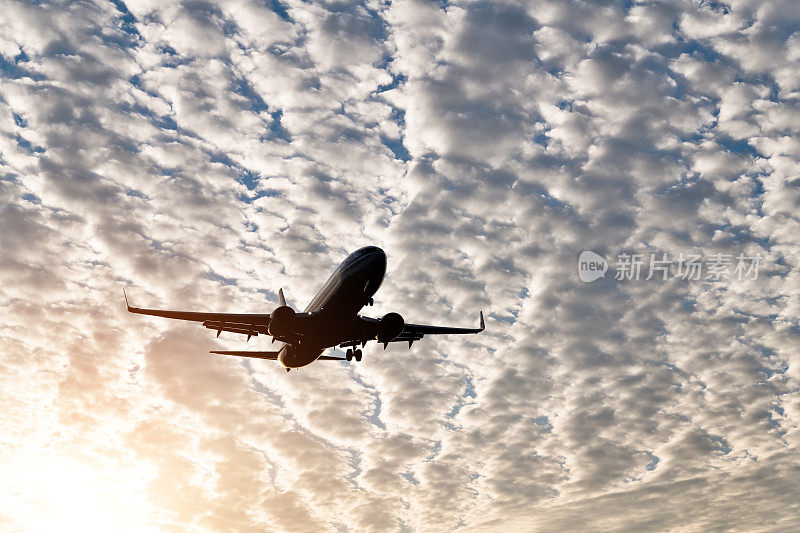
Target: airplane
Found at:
331, 318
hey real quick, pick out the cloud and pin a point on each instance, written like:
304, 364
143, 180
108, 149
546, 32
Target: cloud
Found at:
206, 154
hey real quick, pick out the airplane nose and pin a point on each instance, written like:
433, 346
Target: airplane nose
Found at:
373, 250
377, 256
371, 257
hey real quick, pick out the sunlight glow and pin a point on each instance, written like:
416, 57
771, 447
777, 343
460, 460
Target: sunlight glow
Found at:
60, 493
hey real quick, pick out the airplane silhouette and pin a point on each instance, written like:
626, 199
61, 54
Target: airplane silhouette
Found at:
330, 320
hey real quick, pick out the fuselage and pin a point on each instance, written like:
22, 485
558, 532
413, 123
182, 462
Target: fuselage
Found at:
331, 317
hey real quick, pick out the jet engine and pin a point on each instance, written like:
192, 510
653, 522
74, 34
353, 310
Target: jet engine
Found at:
280, 321
390, 326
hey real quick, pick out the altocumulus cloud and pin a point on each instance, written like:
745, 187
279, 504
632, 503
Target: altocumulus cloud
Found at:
206, 154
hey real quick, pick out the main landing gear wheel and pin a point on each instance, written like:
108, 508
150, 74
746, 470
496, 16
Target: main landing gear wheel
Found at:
357, 355
349, 354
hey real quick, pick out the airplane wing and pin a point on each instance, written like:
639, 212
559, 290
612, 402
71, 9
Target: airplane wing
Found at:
414, 332
247, 324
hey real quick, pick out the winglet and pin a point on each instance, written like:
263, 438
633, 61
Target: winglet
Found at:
126, 300
483, 326
281, 299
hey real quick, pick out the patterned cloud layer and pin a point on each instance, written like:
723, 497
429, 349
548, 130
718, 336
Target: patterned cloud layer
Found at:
205, 154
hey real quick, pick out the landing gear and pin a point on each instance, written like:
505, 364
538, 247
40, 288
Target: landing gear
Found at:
351, 354
370, 302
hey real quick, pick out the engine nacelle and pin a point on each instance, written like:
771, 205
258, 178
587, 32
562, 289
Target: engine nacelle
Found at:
281, 320
390, 326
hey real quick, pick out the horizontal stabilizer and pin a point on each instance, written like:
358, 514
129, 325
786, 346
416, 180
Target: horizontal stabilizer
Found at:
270, 355
257, 355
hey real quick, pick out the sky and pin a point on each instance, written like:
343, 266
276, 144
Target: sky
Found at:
205, 154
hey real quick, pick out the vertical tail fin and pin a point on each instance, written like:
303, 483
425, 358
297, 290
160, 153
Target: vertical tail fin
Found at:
281, 299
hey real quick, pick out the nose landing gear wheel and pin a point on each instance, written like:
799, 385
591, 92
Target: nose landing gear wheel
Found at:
349, 355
